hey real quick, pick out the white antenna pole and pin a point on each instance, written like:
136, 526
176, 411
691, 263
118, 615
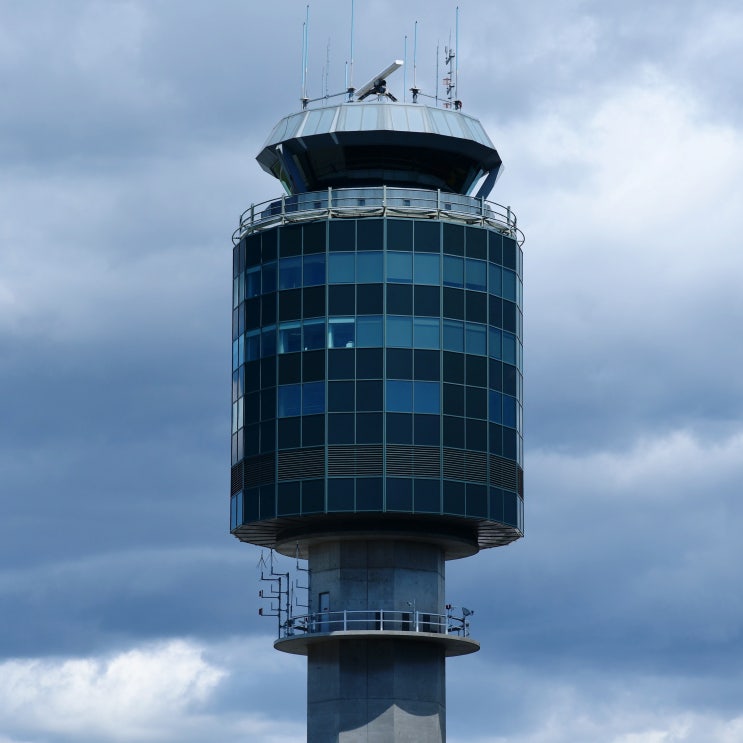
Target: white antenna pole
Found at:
437, 73
327, 68
456, 57
415, 54
305, 55
405, 72
350, 80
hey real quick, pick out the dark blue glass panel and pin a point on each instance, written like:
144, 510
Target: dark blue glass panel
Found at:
427, 301
427, 496
369, 496
290, 400
399, 363
495, 407
454, 303
477, 242
454, 499
510, 508
476, 274
313, 301
268, 282
313, 398
477, 398
369, 428
427, 365
313, 430
426, 332
267, 500
370, 299
426, 430
290, 273
340, 494
340, 397
340, 428
341, 364
291, 240
313, 496
369, 395
314, 269
400, 267
370, 234
369, 363
250, 505
399, 496
453, 432
341, 268
288, 501
495, 498
341, 332
509, 411
369, 331
290, 337
453, 399
425, 397
453, 271
369, 267
399, 428
475, 339
399, 396
313, 334
399, 331
454, 335
290, 431
343, 234
268, 341
477, 501
399, 299
427, 236
399, 234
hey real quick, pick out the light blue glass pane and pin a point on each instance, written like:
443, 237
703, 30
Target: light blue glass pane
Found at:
509, 348
289, 400
341, 332
427, 269
494, 279
509, 411
290, 273
476, 273
369, 267
253, 282
253, 346
509, 285
314, 269
454, 335
400, 267
233, 511
426, 398
399, 331
494, 407
235, 354
341, 268
369, 331
494, 343
313, 398
453, 270
268, 341
314, 334
290, 337
475, 337
269, 277
426, 332
399, 397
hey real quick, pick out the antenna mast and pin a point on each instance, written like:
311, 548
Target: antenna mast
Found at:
350, 72
305, 44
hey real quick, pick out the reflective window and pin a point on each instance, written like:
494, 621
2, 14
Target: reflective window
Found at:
399, 331
509, 411
268, 341
369, 331
341, 332
494, 279
290, 273
427, 269
253, 345
454, 335
369, 267
426, 332
453, 271
341, 268
494, 336
253, 282
289, 400
314, 334
509, 285
268, 271
290, 337
400, 267
475, 338
313, 398
314, 269
475, 274
509, 348
426, 397
399, 397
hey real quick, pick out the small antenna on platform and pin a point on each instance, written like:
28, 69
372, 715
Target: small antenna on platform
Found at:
305, 44
414, 90
349, 85
457, 100
405, 70
326, 91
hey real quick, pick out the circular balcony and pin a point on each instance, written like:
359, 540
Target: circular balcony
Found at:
298, 633
378, 201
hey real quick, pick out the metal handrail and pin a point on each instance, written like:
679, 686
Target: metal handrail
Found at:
378, 201
381, 620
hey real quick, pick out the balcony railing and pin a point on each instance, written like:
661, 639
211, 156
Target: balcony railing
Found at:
378, 201
381, 620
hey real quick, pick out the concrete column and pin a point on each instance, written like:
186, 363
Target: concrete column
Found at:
380, 689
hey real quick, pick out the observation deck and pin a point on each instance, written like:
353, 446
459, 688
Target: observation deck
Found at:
298, 633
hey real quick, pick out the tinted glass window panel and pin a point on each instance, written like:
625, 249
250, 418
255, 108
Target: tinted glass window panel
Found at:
288, 501
341, 494
399, 428
268, 282
509, 411
314, 334
290, 304
454, 303
289, 433
509, 348
268, 403
399, 363
399, 331
477, 243
426, 398
426, 332
290, 337
313, 398
313, 430
427, 237
341, 364
342, 299
342, 235
475, 274
494, 343
400, 267
253, 282
341, 268
477, 402
369, 331
268, 341
453, 432
313, 496
290, 368
314, 269
369, 494
453, 271
399, 396
509, 285
494, 279
427, 496
399, 234
427, 301
370, 299
314, 238
369, 428
454, 335
475, 339
252, 345
341, 332
341, 428
426, 430
427, 365
370, 234
290, 400
340, 397
510, 380
290, 273
399, 494
427, 269
495, 406
369, 363
476, 306
369, 267
369, 395
453, 238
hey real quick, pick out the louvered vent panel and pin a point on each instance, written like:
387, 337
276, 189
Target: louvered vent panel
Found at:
259, 470
426, 461
504, 473
349, 461
399, 461
298, 464
236, 478
465, 465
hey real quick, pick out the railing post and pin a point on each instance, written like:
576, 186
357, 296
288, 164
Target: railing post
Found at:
283, 208
345, 620
416, 620
252, 214
330, 203
438, 201
482, 208
508, 217
384, 200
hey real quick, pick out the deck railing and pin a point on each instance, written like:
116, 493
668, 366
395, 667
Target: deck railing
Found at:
378, 201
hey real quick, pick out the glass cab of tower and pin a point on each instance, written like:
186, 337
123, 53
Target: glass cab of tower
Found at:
377, 368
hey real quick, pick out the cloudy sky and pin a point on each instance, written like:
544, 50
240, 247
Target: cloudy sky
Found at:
128, 132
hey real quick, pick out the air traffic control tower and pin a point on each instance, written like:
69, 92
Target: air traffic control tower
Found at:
377, 397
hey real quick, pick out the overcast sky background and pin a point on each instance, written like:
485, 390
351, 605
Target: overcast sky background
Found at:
128, 133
